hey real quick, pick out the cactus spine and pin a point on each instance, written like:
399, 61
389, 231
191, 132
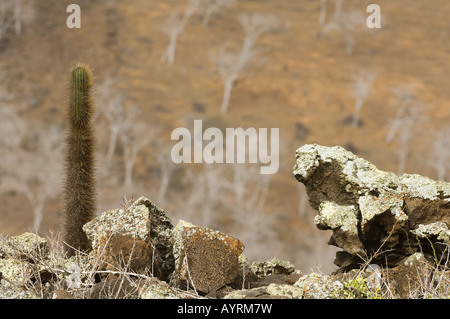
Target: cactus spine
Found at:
79, 188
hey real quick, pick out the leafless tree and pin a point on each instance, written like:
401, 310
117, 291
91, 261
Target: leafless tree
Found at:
134, 136
214, 6
231, 65
250, 188
207, 186
35, 171
166, 168
303, 200
323, 12
338, 9
440, 144
112, 106
360, 88
23, 11
174, 26
249, 220
14, 13
408, 127
405, 96
6, 18
349, 22
12, 128
409, 116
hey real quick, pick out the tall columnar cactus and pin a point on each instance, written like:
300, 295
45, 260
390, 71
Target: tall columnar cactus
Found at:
79, 188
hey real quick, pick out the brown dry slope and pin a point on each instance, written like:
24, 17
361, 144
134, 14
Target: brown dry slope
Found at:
303, 82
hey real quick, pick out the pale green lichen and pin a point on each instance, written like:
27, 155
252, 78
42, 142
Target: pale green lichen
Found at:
306, 161
155, 289
318, 286
438, 229
134, 221
15, 272
286, 291
360, 288
419, 186
371, 206
27, 243
337, 216
272, 266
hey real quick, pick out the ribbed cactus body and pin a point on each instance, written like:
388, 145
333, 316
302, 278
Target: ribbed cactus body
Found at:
79, 192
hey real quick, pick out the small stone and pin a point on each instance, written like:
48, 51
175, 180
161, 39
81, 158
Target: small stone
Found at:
318, 286
272, 291
153, 288
62, 294
273, 266
114, 287
287, 291
205, 259
143, 222
25, 246
15, 272
130, 254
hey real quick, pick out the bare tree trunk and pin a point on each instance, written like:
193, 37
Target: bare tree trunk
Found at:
163, 186
399, 117
38, 216
213, 6
402, 157
231, 64
349, 43
166, 168
226, 95
207, 16
174, 27
169, 54
303, 199
129, 163
358, 106
338, 9
256, 201
5, 21
323, 12
18, 17
111, 149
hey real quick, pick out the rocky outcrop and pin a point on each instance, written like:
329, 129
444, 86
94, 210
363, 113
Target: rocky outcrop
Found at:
375, 216
137, 253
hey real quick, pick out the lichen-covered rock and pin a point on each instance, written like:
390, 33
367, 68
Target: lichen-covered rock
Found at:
439, 230
205, 259
153, 288
367, 208
288, 291
114, 287
142, 221
272, 291
416, 277
18, 255
24, 246
272, 266
130, 254
318, 286
15, 272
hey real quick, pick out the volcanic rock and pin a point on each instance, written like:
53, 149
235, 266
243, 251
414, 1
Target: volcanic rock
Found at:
375, 216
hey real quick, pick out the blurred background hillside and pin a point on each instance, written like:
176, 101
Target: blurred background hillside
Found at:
303, 66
